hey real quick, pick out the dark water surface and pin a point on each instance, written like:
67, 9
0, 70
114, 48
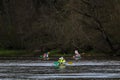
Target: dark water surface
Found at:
45, 70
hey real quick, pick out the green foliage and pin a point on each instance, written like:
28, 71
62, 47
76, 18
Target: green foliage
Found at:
65, 24
13, 52
57, 52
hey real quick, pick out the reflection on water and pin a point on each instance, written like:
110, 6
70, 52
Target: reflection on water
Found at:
45, 70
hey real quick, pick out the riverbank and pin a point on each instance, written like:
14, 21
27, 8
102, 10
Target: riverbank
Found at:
54, 58
54, 55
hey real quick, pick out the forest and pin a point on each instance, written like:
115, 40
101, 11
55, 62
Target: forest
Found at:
86, 25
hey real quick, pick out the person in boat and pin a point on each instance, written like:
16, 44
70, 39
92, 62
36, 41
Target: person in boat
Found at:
46, 56
77, 55
61, 61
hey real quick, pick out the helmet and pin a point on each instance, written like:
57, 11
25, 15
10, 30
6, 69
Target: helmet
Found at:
48, 52
76, 52
61, 58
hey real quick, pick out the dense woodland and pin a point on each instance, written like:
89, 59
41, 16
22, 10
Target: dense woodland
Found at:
88, 25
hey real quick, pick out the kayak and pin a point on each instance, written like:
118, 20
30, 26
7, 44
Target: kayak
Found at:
41, 57
61, 66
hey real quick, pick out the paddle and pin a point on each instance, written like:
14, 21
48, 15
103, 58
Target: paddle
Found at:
70, 62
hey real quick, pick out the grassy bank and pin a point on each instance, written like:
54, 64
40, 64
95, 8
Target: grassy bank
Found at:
59, 53
13, 52
10, 53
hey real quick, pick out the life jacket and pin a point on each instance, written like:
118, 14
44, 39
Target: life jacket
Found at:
45, 55
61, 61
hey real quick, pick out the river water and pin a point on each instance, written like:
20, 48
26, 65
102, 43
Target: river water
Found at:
45, 70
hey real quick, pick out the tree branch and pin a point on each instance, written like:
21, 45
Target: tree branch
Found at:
99, 27
85, 2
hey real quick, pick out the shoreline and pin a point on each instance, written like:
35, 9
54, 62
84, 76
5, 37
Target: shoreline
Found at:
56, 58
